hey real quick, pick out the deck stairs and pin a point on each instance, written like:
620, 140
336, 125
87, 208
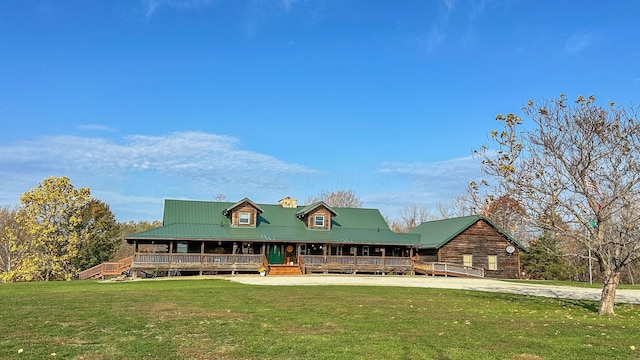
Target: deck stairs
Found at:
275, 270
107, 269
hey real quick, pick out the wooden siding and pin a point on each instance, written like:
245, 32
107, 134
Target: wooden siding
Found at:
311, 218
246, 208
481, 240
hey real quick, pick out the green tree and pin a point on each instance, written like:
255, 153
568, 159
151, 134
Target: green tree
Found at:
127, 228
544, 260
100, 235
581, 163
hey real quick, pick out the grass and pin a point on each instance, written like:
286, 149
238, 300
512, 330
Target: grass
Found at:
216, 319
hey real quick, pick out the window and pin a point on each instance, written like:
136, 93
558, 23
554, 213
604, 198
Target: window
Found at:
319, 221
493, 262
243, 219
467, 260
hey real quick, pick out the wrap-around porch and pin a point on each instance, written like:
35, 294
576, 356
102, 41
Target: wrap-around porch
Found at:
170, 258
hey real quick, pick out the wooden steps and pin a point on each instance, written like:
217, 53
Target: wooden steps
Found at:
284, 270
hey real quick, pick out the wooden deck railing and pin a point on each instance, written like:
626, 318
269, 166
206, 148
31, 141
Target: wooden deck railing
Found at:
107, 269
439, 268
203, 262
353, 264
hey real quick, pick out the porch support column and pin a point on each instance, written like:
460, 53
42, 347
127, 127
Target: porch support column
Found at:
383, 261
170, 257
324, 255
355, 260
201, 257
233, 257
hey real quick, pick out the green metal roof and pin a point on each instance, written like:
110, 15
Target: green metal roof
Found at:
435, 234
204, 220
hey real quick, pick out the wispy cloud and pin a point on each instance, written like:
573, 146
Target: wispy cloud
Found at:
440, 180
176, 163
455, 19
151, 6
578, 42
427, 184
95, 127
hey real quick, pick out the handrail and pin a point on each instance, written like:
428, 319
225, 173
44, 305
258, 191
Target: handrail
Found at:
107, 268
448, 268
265, 264
91, 272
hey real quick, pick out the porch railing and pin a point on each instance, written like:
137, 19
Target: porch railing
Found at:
447, 269
356, 263
162, 261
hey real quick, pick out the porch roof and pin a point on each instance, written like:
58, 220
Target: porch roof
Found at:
202, 220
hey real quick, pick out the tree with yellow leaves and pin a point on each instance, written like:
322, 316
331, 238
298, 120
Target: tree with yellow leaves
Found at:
51, 219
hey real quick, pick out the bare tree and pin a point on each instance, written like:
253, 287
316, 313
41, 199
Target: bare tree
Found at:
581, 163
410, 217
337, 198
7, 226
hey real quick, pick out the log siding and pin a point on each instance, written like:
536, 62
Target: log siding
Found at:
480, 241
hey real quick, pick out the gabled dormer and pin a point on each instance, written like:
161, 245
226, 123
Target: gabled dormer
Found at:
317, 216
244, 213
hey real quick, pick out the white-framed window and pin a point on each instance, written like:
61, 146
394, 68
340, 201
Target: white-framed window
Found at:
318, 221
493, 262
365, 251
244, 218
467, 260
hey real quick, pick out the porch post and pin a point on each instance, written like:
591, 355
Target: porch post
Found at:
355, 260
170, 257
201, 256
233, 257
324, 255
383, 261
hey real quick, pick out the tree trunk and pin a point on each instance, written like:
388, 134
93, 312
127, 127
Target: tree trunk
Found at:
610, 278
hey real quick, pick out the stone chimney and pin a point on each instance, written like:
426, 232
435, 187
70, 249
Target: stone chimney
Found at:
288, 202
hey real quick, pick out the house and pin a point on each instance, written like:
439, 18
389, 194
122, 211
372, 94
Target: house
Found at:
209, 237
470, 241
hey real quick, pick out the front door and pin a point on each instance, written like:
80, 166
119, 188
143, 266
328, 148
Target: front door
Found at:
275, 254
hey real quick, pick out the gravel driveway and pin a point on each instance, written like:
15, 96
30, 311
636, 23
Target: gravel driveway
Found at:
564, 292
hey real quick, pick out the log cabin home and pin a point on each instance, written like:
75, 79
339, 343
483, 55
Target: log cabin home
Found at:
471, 241
209, 237
204, 237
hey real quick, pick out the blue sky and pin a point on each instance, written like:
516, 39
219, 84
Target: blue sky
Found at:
142, 100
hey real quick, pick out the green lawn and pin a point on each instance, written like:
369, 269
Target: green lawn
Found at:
215, 319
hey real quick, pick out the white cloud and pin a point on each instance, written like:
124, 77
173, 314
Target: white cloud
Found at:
94, 127
423, 184
151, 6
177, 164
578, 42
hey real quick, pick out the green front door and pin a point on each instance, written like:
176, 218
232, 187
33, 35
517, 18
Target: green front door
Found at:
275, 254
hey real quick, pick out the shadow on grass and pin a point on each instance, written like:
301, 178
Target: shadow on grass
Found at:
585, 304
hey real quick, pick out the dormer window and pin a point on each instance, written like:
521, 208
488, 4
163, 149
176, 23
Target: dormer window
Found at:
317, 216
244, 218
244, 213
